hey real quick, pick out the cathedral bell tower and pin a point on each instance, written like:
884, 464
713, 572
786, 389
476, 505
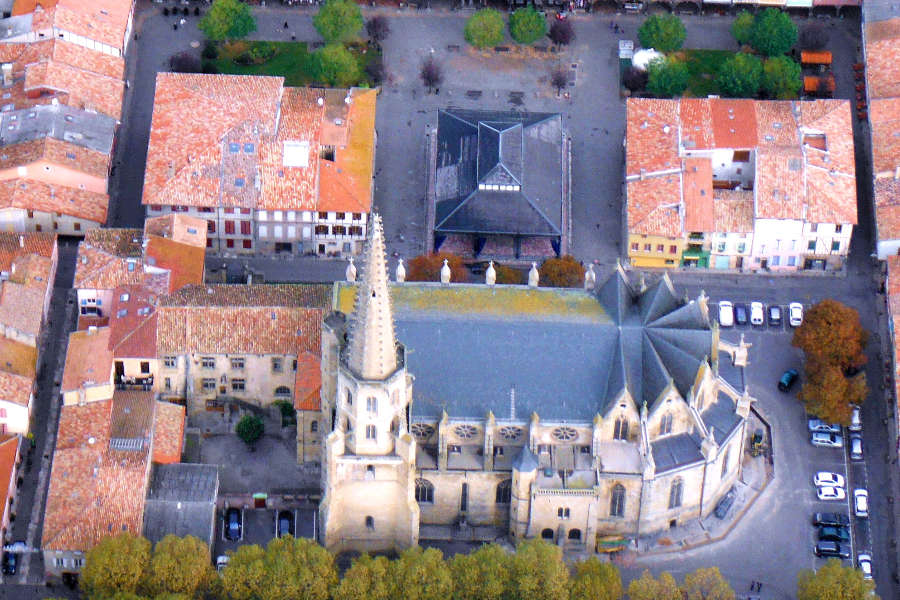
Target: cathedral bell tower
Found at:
368, 470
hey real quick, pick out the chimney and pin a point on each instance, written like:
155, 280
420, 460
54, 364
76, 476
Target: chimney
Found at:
170, 173
7, 74
92, 329
21, 241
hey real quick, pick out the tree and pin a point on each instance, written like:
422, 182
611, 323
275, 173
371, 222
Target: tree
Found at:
648, 588
484, 28
834, 581
367, 578
184, 62
781, 77
774, 33
832, 334
336, 66
117, 564
508, 275
227, 20
667, 77
481, 575
378, 28
742, 27
538, 572
561, 272
527, 25
431, 73
250, 428
707, 584
559, 79
829, 395
288, 569
338, 20
375, 70
180, 566
419, 574
634, 79
595, 580
665, 33
740, 76
813, 36
427, 267
561, 32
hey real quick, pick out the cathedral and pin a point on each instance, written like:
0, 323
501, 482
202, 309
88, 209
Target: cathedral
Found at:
478, 411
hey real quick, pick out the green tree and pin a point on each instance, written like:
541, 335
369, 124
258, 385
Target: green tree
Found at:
561, 272
227, 20
117, 564
648, 588
834, 581
338, 20
419, 574
595, 580
250, 428
367, 578
484, 28
245, 573
481, 575
527, 25
538, 572
665, 33
828, 394
832, 334
427, 267
740, 76
667, 77
180, 566
707, 584
336, 66
288, 569
742, 27
781, 77
774, 33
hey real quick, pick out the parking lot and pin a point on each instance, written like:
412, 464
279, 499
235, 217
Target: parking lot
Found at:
257, 526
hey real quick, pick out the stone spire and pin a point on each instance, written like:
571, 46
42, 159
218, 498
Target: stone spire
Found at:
372, 352
445, 272
590, 278
533, 276
350, 273
490, 276
401, 271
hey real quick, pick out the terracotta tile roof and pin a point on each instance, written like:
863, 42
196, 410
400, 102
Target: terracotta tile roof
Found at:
698, 195
779, 183
116, 241
733, 123
87, 321
109, 258
696, 123
51, 150
651, 146
653, 206
312, 295
884, 116
13, 245
185, 262
132, 322
734, 211
308, 382
883, 58
18, 358
22, 307
32, 271
15, 388
887, 208
132, 416
86, 90
88, 60
168, 433
177, 227
30, 194
776, 124
9, 452
88, 359
104, 21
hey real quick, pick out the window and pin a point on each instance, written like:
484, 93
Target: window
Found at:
454, 449
424, 491
168, 384
370, 523
675, 493
720, 247
208, 362
543, 449
38, 227
357, 216
371, 432
835, 246
237, 363
660, 247
811, 246
356, 230
314, 427
620, 430
617, 501
321, 229
229, 227
234, 147
229, 243
210, 226
277, 365
339, 230
372, 405
776, 261
814, 227
340, 216
247, 244
122, 312
169, 361
349, 398
547, 534
464, 498
838, 228
248, 148
59, 562
77, 562
635, 246
124, 297
238, 385
648, 247
562, 513
741, 247
665, 424
209, 384
30, 214
575, 535
244, 211
323, 215
504, 492
725, 463
245, 227
283, 391
792, 261
145, 366
673, 249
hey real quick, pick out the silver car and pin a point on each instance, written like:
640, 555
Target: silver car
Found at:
827, 440
861, 503
820, 426
856, 447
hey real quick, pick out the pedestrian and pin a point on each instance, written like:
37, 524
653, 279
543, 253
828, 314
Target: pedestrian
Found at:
175, 26
759, 586
285, 25
616, 28
182, 22
752, 585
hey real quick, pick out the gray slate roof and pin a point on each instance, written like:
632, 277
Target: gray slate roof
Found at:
65, 123
499, 148
181, 500
674, 451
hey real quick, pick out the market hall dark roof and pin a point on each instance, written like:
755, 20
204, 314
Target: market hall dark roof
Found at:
181, 500
499, 173
569, 354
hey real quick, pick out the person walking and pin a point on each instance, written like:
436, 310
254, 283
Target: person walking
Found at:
285, 25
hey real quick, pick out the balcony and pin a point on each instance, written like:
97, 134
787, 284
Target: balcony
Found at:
125, 382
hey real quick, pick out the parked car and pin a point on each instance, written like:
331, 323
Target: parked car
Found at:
831, 519
864, 563
835, 549
825, 478
284, 523
855, 420
795, 314
233, 524
787, 380
828, 492
861, 503
726, 313
826, 440
856, 447
222, 562
774, 315
740, 314
724, 504
10, 563
756, 313
835, 534
818, 425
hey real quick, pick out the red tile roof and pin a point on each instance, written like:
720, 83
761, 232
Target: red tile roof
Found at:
308, 382
177, 227
88, 359
883, 58
15, 388
22, 307
30, 194
699, 211
168, 433
18, 358
9, 453
186, 263
104, 21
54, 151
132, 322
87, 90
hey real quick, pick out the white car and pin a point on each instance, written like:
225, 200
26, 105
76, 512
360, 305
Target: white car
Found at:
827, 440
756, 313
861, 503
864, 562
726, 313
222, 562
855, 421
824, 478
828, 492
795, 314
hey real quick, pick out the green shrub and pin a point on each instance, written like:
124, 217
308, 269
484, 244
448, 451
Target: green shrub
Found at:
527, 25
484, 28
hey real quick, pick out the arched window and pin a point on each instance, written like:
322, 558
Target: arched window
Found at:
617, 501
424, 491
665, 424
370, 523
675, 493
504, 491
575, 535
621, 429
282, 391
725, 462
547, 534
313, 426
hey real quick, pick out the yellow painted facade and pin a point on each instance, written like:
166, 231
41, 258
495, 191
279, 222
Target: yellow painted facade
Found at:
655, 250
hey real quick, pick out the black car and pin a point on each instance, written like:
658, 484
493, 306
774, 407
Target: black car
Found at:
787, 380
834, 549
284, 524
10, 563
774, 315
834, 534
831, 520
233, 525
740, 314
724, 504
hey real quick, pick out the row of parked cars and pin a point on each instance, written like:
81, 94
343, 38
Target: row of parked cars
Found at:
834, 540
757, 314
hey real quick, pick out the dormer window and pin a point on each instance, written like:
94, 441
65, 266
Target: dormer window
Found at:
239, 182
234, 147
248, 148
